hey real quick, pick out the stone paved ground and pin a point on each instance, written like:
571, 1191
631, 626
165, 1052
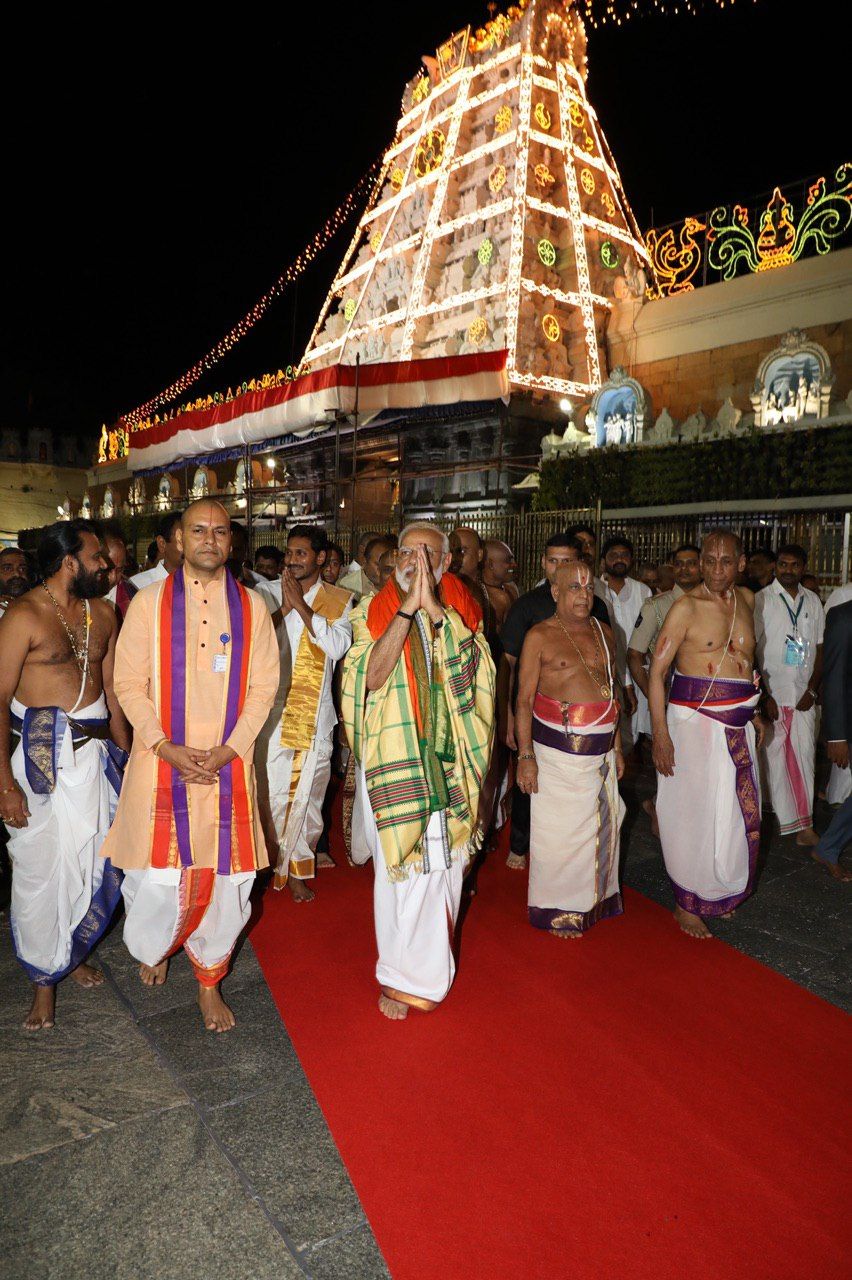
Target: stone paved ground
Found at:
135, 1147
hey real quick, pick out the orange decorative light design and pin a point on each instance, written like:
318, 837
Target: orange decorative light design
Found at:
551, 327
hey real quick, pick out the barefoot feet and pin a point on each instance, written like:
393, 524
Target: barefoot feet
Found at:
325, 860
216, 1014
42, 1009
834, 869
86, 976
154, 975
560, 933
651, 810
691, 923
393, 1009
516, 861
299, 890
807, 839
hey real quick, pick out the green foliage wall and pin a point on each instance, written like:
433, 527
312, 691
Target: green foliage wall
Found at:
760, 465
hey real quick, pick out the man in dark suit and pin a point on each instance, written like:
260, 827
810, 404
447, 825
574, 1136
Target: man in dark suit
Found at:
837, 727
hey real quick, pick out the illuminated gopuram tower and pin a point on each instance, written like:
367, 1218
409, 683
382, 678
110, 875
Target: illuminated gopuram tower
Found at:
499, 220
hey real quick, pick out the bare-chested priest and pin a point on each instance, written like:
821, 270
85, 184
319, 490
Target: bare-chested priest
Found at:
708, 798
569, 761
196, 671
61, 771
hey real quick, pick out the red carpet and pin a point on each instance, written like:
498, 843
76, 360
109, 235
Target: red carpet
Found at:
635, 1104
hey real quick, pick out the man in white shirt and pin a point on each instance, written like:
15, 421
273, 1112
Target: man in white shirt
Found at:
294, 748
171, 556
789, 624
623, 597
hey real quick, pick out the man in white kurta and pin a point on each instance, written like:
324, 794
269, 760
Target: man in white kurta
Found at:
295, 747
623, 597
789, 623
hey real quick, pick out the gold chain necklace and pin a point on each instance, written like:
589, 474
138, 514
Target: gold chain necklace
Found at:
604, 685
81, 656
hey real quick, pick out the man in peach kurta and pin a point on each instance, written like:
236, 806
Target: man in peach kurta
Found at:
196, 671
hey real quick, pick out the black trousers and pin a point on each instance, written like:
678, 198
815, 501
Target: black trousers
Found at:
519, 834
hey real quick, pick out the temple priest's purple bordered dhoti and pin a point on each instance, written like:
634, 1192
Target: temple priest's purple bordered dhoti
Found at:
709, 810
575, 817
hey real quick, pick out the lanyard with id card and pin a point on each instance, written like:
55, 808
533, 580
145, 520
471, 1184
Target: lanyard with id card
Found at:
220, 660
795, 645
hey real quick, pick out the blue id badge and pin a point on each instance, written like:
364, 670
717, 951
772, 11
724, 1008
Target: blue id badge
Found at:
795, 651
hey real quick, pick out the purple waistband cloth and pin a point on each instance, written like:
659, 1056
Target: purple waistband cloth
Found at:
690, 691
576, 744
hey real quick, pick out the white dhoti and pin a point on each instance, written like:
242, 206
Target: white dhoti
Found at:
63, 893
193, 908
574, 861
291, 788
415, 918
709, 809
790, 750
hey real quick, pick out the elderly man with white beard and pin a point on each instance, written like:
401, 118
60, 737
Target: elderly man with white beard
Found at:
418, 707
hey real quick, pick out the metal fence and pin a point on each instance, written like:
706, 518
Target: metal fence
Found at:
823, 531
824, 534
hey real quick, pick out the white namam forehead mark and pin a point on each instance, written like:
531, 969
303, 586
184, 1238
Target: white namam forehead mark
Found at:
574, 570
716, 541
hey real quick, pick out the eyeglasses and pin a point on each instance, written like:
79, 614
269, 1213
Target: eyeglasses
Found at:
405, 553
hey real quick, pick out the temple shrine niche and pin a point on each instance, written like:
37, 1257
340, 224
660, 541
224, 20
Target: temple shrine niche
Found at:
794, 382
618, 411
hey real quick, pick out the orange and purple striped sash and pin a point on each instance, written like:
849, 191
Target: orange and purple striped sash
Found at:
235, 843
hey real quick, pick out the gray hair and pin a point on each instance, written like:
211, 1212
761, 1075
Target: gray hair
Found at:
423, 526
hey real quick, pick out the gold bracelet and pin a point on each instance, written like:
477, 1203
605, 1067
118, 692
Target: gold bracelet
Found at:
157, 745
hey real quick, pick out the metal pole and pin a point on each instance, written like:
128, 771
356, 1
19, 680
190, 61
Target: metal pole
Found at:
249, 481
355, 448
844, 568
336, 472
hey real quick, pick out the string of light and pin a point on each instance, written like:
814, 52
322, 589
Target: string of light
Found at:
329, 229
600, 13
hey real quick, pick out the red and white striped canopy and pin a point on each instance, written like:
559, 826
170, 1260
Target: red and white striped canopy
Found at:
300, 407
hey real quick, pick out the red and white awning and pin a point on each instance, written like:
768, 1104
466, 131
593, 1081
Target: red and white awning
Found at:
299, 407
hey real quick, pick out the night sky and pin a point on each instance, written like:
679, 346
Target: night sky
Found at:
160, 177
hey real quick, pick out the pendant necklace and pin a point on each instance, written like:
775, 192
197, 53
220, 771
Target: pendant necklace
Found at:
604, 686
81, 656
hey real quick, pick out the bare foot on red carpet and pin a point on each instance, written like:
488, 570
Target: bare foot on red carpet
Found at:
299, 890
807, 839
651, 810
393, 1009
559, 933
325, 860
516, 861
691, 923
154, 975
834, 869
42, 1010
87, 976
216, 1014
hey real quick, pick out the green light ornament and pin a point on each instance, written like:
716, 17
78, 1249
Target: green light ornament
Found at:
485, 253
609, 254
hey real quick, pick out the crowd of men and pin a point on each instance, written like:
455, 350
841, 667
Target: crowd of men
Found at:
167, 733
